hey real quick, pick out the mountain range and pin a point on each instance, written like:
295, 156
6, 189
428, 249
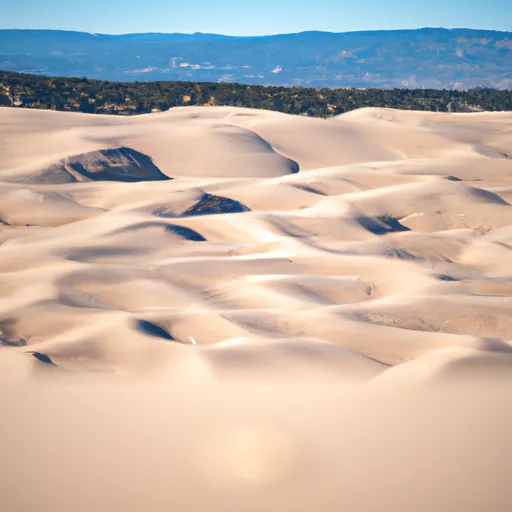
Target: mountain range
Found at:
422, 58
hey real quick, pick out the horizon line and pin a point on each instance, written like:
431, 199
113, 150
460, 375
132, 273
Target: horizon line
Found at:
250, 36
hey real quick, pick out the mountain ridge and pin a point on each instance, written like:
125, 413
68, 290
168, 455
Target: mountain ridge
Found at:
428, 57
312, 31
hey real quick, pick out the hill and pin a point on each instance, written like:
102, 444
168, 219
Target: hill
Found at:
423, 58
126, 98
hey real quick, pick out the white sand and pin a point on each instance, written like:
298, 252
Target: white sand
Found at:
353, 320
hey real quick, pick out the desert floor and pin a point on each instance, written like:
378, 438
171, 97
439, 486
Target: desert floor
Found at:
231, 309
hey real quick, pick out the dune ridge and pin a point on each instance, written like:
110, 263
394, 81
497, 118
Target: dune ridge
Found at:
347, 269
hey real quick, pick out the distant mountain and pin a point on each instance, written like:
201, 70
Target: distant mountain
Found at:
423, 58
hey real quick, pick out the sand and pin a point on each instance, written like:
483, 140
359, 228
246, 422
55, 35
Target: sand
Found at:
245, 310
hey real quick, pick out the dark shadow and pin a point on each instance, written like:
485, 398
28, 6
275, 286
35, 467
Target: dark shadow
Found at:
121, 164
181, 231
43, 358
381, 225
308, 188
445, 277
213, 205
186, 233
154, 330
487, 196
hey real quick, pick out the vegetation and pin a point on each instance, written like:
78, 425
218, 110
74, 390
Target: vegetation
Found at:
103, 97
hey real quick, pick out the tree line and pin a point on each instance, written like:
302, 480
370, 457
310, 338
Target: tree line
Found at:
128, 98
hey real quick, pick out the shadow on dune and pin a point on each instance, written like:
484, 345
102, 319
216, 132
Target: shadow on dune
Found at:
43, 358
175, 229
213, 205
121, 164
309, 188
9, 335
153, 330
486, 196
88, 254
381, 225
186, 233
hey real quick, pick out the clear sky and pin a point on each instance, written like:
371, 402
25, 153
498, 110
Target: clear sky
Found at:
252, 17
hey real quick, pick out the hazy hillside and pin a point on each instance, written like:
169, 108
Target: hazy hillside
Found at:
427, 58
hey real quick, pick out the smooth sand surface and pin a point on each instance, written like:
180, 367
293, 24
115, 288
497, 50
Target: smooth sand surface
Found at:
231, 309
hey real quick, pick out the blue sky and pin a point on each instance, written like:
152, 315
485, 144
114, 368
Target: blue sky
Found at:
251, 17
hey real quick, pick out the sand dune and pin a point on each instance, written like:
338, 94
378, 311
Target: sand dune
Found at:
253, 310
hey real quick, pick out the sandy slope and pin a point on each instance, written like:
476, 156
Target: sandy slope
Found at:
348, 283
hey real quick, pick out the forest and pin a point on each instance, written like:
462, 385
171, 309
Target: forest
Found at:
128, 98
